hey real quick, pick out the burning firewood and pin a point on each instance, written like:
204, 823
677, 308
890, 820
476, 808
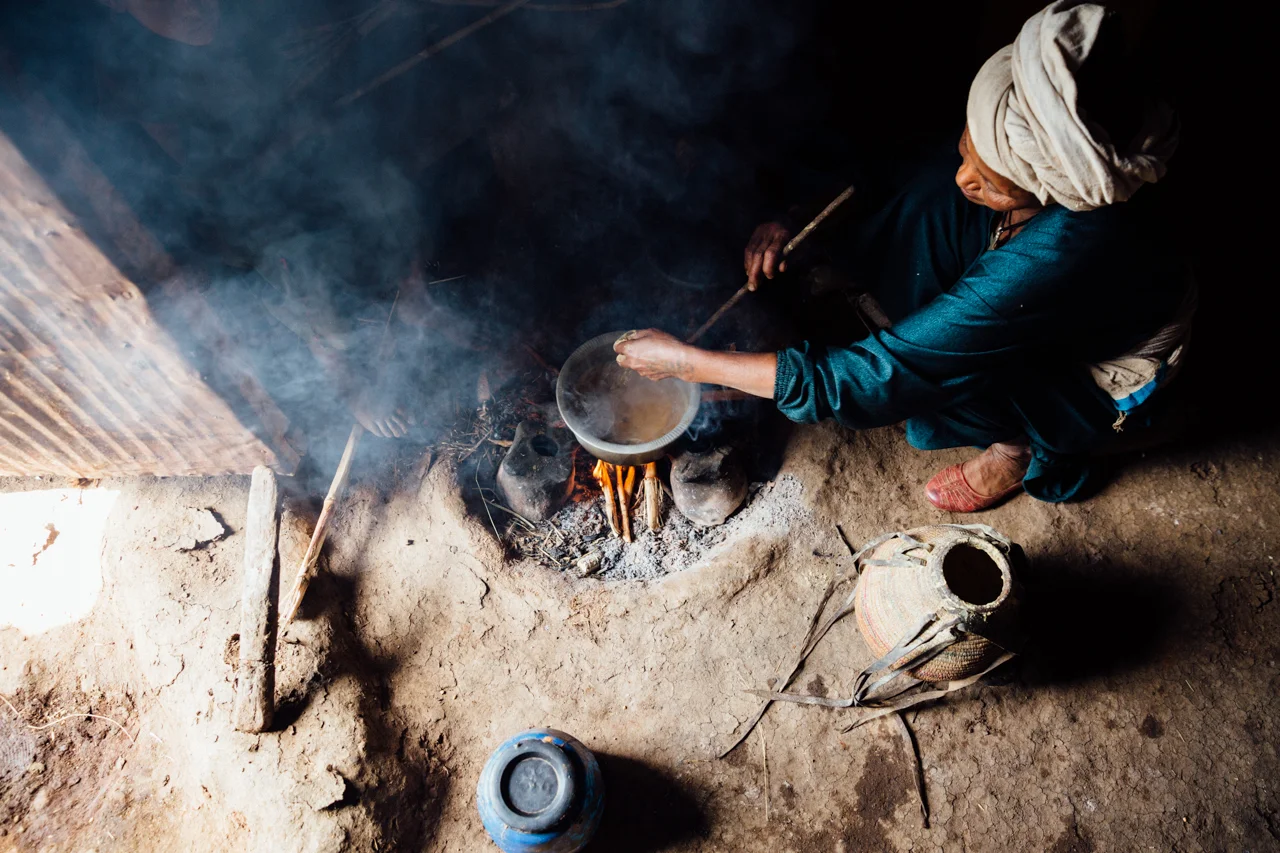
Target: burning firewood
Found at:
601, 473
626, 488
652, 496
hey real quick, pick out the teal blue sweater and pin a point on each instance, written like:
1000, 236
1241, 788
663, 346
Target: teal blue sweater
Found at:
989, 345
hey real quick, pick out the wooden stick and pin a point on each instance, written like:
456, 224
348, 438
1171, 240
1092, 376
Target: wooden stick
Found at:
606, 483
624, 500
817, 220
913, 749
307, 570
791, 246
652, 497
720, 312
256, 687
427, 53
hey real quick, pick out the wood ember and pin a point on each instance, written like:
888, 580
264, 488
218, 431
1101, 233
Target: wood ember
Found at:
625, 488
652, 497
580, 529
610, 498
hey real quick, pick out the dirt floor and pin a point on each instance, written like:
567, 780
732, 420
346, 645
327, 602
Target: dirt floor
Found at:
1141, 717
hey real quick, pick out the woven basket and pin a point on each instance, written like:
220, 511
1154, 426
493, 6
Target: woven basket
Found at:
955, 571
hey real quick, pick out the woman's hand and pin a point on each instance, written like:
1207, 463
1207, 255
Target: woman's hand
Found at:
764, 253
656, 355
378, 415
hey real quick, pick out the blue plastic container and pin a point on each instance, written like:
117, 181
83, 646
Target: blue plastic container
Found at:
541, 792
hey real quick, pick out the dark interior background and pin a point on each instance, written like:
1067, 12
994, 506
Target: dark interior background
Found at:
584, 170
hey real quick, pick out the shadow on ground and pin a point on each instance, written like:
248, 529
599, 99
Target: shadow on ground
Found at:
645, 810
1083, 623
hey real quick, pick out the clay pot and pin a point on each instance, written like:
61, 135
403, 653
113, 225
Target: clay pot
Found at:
708, 484
950, 572
541, 792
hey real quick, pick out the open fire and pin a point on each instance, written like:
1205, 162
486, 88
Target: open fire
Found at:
617, 482
547, 498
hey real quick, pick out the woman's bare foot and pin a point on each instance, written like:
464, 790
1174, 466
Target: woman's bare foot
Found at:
983, 481
998, 469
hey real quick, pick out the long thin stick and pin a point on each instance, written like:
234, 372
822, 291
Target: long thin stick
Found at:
310, 560
764, 758
64, 718
427, 53
791, 246
720, 312
913, 749
307, 570
817, 220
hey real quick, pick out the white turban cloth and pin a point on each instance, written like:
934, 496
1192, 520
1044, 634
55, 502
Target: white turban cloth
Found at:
1025, 118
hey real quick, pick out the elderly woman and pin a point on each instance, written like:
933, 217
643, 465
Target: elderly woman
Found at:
1031, 315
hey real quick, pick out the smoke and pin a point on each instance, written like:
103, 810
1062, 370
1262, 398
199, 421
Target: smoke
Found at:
582, 171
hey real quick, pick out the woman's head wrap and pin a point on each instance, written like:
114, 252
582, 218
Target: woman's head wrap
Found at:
1026, 122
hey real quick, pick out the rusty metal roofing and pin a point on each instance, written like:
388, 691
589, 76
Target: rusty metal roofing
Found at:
90, 384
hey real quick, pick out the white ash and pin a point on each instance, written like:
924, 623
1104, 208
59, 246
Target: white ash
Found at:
770, 507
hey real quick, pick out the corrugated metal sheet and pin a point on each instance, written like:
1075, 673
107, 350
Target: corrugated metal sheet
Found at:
90, 384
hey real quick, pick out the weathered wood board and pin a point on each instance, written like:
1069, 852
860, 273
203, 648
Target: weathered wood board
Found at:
90, 384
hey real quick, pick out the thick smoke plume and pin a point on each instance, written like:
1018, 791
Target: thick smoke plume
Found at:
581, 170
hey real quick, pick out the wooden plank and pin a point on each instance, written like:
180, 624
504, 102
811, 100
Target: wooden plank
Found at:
91, 384
255, 692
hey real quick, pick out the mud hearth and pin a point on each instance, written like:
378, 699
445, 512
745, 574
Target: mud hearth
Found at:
581, 528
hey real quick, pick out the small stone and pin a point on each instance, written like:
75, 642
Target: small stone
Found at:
328, 788
35, 767
39, 800
536, 475
193, 528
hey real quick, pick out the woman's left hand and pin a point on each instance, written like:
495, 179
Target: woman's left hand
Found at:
656, 355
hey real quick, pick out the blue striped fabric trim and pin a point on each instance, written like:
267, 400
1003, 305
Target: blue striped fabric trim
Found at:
1137, 398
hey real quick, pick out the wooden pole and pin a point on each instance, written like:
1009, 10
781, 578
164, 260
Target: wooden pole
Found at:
791, 246
307, 570
256, 687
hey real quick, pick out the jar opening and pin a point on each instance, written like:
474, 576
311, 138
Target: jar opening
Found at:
972, 575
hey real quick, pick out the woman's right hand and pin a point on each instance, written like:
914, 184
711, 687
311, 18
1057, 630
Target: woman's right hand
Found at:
380, 416
764, 253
